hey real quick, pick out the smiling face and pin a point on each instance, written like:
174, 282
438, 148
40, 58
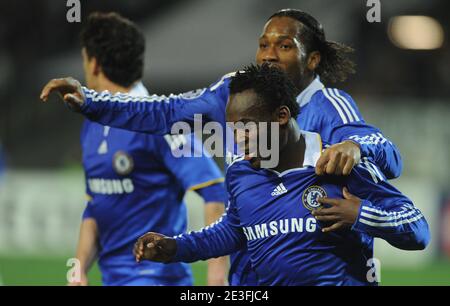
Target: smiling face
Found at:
280, 45
246, 112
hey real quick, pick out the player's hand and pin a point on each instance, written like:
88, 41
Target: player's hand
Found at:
155, 247
342, 213
83, 281
68, 89
339, 159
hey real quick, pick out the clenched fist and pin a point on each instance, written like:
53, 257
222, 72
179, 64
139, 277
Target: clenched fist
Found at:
155, 247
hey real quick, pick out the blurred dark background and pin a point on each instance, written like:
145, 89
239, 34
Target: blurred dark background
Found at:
190, 44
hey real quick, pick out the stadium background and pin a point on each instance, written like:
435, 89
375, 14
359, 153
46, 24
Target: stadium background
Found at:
190, 44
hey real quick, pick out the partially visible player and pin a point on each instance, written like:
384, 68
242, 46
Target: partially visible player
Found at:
313, 232
134, 182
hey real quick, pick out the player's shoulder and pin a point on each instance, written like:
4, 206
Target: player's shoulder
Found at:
237, 169
336, 103
223, 82
218, 87
235, 162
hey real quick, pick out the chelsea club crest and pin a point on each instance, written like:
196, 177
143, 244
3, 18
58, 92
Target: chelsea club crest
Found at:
122, 163
310, 196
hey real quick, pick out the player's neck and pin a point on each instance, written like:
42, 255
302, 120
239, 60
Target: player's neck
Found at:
304, 83
293, 153
105, 84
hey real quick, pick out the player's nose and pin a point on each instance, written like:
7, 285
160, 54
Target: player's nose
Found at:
270, 56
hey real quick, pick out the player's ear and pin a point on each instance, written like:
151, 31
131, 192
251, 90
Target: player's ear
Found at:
313, 60
284, 114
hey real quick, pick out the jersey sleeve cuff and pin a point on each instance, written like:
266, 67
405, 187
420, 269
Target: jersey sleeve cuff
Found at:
359, 225
182, 253
86, 92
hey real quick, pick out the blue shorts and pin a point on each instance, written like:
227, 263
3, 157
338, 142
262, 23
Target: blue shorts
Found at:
146, 274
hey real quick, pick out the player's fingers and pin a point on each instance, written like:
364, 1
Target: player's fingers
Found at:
348, 195
332, 228
72, 99
324, 212
330, 201
322, 163
333, 163
330, 218
138, 250
48, 88
72, 102
341, 164
350, 163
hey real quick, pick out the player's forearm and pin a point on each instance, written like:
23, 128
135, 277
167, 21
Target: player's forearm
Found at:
213, 211
216, 240
151, 114
217, 267
403, 227
87, 248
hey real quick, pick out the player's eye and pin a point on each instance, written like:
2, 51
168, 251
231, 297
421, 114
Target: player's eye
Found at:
285, 47
262, 46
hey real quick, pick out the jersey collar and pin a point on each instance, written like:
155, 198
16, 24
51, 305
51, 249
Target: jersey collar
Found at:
138, 90
305, 96
313, 144
313, 149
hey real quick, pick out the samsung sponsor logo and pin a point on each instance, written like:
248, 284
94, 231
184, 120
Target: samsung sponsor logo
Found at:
285, 226
108, 186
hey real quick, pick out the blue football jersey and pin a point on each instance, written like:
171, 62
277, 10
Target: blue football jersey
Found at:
329, 112
135, 184
270, 214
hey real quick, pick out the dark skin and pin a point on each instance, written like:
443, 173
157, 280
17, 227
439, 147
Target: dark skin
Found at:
342, 213
281, 45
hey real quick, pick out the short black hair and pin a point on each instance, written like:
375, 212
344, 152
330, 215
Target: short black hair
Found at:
117, 44
271, 85
335, 65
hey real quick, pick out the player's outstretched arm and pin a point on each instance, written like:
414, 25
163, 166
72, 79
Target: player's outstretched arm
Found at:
153, 114
219, 239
